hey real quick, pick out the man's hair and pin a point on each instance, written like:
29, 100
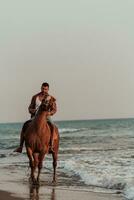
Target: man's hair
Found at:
45, 84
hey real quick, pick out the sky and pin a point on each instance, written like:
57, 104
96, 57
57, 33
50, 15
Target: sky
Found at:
82, 48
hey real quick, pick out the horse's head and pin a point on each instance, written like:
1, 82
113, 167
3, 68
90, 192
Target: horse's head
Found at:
45, 104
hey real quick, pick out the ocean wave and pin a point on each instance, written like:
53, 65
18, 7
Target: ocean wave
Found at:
70, 130
8, 145
93, 178
72, 150
85, 149
3, 155
129, 192
75, 149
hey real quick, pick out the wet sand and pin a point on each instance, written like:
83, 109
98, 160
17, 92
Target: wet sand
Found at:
8, 196
52, 193
15, 185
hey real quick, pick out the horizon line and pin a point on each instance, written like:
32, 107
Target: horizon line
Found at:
120, 118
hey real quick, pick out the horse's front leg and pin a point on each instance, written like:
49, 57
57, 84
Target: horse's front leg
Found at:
32, 164
40, 164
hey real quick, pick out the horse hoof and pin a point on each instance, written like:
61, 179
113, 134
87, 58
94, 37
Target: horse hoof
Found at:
38, 182
54, 182
34, 181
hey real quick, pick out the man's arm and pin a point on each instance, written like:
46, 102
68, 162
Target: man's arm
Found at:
31, 107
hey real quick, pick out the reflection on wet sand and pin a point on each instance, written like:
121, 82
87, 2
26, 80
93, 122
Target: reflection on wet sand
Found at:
35, 195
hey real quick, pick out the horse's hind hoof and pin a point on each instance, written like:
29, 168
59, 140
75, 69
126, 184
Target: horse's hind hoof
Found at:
34, 183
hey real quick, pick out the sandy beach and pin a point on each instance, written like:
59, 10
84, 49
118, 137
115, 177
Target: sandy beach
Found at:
15, 185
60, 194
8, 196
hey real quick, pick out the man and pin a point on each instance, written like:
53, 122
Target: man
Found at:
33, 109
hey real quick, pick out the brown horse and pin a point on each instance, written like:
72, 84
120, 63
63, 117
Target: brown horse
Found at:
37, 140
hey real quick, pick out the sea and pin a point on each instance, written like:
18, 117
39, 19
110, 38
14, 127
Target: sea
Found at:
94, 155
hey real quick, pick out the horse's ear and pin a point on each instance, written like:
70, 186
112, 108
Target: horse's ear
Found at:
53, 99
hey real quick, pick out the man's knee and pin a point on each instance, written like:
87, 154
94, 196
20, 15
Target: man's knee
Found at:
25, 125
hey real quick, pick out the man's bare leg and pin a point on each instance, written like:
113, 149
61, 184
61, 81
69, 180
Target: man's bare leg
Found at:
19, 149
22, 137
51, 149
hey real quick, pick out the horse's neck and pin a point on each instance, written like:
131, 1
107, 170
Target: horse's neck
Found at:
40, 120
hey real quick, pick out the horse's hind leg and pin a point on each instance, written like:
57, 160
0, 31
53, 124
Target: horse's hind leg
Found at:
54, 154
32, 164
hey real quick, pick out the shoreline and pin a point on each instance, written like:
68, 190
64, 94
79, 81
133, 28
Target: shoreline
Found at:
59, 193
73, 120
14, 185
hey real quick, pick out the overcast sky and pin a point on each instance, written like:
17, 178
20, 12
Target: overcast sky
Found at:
83, 48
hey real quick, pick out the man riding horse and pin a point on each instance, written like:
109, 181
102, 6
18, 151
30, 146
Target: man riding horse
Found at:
33, 109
